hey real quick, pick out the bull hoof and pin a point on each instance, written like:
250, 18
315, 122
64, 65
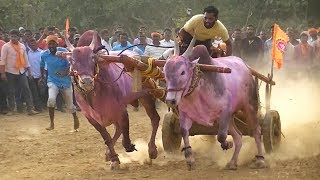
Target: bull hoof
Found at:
115, 165
131, 148
258, 163
191, 163
153, 152
227, 145
231, 166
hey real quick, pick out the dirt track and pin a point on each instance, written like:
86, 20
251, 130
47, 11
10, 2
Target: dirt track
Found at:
28, 151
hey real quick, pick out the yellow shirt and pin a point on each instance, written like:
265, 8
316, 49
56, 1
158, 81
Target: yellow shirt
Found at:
196, 26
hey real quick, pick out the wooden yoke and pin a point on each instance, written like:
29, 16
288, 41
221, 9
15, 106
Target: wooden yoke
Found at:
140, 62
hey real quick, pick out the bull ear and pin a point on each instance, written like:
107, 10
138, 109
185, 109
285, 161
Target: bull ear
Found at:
188, 52
70, 47
94, 40
194, 62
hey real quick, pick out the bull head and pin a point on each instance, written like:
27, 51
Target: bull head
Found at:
85, 62
178, 74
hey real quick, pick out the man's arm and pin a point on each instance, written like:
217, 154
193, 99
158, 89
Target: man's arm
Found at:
228, 47
3, 61
27, 66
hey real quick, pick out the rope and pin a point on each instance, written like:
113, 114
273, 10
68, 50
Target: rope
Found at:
142, 45
153, 72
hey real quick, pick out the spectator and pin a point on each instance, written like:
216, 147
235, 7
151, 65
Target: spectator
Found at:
14, 62
58, 79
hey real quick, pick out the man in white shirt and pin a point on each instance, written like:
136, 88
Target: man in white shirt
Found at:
104, 34
34, 57
167, 42
155, 51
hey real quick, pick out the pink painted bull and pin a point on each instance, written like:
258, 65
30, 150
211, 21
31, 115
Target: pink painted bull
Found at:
102, 91
213, 98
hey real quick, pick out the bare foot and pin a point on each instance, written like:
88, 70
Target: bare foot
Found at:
231, 166
50, 128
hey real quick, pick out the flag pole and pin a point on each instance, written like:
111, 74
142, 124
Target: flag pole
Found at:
268, 88
270, 76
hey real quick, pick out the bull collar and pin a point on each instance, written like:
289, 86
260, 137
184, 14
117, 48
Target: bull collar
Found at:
196, 76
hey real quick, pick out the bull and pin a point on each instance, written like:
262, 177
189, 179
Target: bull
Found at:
103, 90
210, 97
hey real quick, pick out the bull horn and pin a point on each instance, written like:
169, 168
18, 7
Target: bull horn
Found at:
94, 41
176, 51
70, 47
188, 52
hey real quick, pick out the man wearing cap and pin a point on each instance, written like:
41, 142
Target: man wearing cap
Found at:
156, 50
13, 67
58, 79
51, 30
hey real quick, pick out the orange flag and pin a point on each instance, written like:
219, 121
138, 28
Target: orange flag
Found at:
280, 40
67, 27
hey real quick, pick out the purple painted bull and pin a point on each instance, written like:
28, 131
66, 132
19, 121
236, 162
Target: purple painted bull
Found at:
103, 91
213, 98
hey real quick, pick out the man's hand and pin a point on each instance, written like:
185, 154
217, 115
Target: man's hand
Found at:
3, 76
63, 73
228, 47
41, 81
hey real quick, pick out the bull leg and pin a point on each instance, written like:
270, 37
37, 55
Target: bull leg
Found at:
115, 162
232, 165
124, 126
258, 161
223, 131
116, 136
149, 105
185, 125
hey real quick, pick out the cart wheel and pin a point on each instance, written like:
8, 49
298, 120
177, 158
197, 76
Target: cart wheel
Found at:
171, 139
271, 131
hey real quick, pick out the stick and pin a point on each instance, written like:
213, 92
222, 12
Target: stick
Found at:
261, 77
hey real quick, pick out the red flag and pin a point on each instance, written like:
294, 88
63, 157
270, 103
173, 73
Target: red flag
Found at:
280, 40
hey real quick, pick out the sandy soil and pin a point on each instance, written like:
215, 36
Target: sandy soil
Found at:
28, 151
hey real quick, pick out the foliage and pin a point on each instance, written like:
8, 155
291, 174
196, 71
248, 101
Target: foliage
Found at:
156, 15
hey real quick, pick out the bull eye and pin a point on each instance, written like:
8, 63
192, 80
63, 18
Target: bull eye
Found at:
182, 73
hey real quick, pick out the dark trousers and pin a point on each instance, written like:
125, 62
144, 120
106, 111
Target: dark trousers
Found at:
19, 91
36, 94
186, 39
3, 95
